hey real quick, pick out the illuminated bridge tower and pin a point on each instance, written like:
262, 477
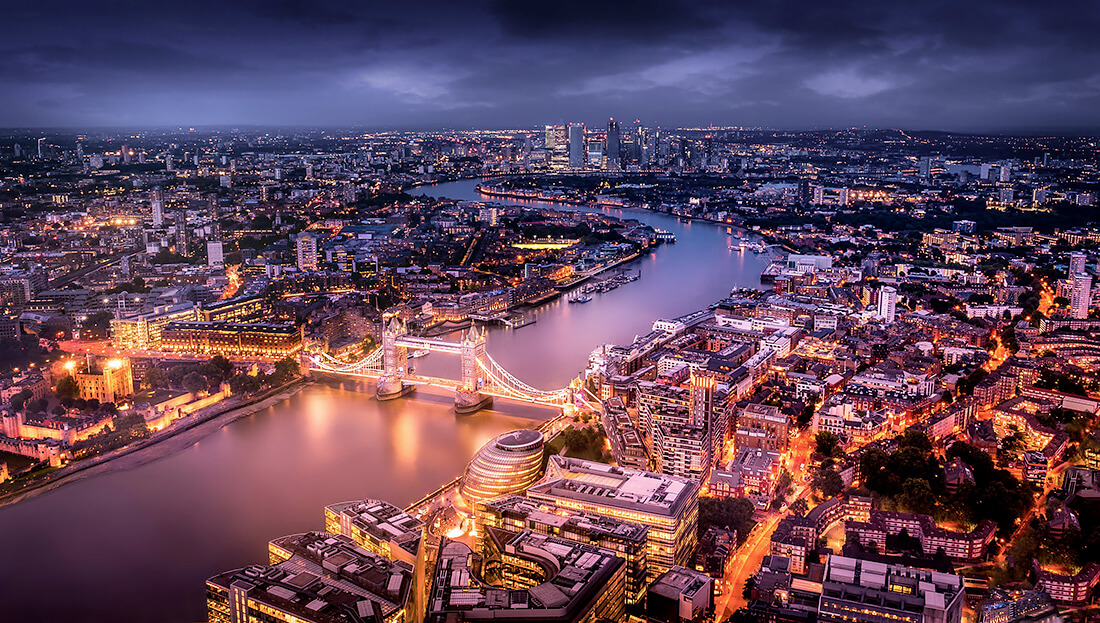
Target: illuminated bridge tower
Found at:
468, 397
395, 362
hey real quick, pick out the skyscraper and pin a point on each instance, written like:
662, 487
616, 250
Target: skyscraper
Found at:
576, 145
1081, 296
214, 255
1077, 262
158, 208
41, 148
612, 145
307, 252
887, 302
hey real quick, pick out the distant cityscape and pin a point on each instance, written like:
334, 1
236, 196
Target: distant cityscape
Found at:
893, 419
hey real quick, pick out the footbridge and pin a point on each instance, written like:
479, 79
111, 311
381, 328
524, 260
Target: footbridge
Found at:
482, 377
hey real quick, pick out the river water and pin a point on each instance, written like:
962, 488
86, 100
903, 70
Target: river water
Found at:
137, 544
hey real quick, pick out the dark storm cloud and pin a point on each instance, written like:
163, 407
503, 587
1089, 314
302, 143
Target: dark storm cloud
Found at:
786, 63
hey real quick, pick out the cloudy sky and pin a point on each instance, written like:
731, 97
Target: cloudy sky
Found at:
919, 64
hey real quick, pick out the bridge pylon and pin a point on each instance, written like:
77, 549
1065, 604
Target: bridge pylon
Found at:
468, 397
395, 362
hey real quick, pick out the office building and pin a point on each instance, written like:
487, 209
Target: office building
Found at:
508, 464
542, 578
214, 255
861, 590
576, 145
887, 304
378, 527
313, 578
628, 540
680, 595
613, 134
1078, 263
669, 506
307, 252
1080, 295
232, 339
157, 207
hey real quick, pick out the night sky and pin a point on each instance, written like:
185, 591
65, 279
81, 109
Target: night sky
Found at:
921, 64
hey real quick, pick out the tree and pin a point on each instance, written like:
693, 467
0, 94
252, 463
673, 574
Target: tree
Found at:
917, 497
223, 366
799, 506
827, 482
155, 378
917, 440
19, 400
244, 384
97, 325
195, 382
67, 387
285, 369
733, 513
826, 443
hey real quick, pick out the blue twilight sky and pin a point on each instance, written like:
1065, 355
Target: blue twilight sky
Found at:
927, 64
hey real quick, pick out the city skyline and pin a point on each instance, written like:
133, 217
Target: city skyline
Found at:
981, 67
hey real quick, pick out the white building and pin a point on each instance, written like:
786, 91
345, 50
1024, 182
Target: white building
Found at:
887, 304
214, 254
307, 252
1081, 296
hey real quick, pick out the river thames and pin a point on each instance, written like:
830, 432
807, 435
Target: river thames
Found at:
137, 544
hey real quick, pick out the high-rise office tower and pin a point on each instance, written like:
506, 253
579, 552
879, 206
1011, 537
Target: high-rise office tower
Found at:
183, 240
307, 252
925, 167
549, 138
576, 145
1077, 262
1081, 296
214, 255
158, 208
41, 148
125, 151
887, 303
612, 145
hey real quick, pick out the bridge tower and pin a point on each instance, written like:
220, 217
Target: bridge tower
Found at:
395, 361
469, 398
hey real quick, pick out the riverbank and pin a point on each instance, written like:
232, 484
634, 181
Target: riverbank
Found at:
159, 446
500, 193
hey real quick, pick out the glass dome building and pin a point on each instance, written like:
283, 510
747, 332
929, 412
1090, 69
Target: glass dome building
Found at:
508, 464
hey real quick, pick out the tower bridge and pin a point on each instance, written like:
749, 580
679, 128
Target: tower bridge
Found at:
482, 377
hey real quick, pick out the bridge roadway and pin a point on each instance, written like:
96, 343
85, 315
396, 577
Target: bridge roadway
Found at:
441, 346
434, 381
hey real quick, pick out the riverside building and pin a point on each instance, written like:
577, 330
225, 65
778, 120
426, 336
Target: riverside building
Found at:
628, 540
544, 579
379, 527
312, 578
667, 505
508, 464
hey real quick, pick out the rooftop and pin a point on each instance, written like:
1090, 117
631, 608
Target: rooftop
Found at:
620, 487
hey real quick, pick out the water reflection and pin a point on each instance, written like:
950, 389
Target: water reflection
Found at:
136, 545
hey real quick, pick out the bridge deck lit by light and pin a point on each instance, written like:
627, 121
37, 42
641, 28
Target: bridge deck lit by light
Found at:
481, 374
